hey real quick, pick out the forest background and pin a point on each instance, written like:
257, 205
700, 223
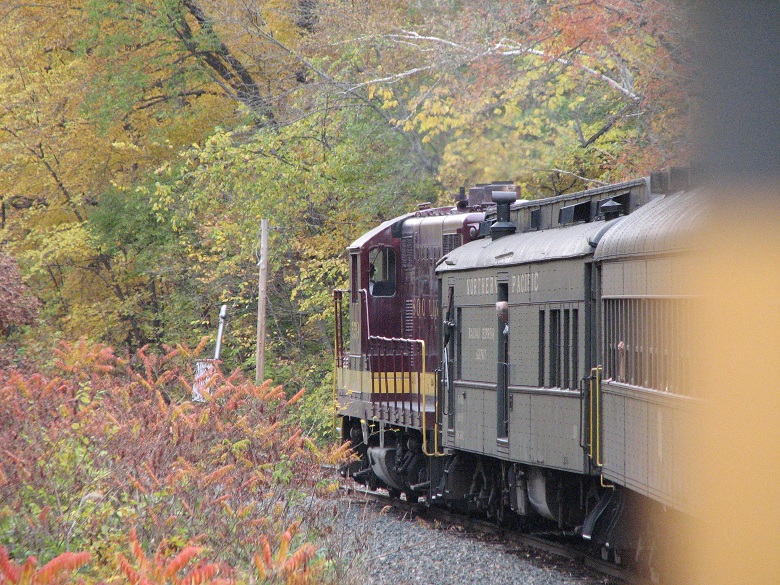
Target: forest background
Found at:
141, 141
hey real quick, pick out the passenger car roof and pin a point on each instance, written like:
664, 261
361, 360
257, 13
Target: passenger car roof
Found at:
666, 224
539, 246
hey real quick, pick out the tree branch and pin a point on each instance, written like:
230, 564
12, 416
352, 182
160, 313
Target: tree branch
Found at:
506, 48
227, 69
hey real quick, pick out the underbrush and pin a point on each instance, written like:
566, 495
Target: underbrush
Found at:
111, 460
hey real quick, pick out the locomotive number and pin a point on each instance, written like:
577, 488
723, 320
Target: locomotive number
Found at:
425, 307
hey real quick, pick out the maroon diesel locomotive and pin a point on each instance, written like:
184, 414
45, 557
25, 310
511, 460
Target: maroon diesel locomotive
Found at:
388, 371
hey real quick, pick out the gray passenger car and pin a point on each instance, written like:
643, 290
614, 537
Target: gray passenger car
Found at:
565, 360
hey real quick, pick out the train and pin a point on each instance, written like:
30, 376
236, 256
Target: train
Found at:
528, 360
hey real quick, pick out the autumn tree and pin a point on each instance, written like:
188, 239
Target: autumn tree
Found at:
142, 141
97, 95
552, 95
320, 183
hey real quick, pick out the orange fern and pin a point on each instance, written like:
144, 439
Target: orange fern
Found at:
284, 546
298, 560
9, 570
28, 570
204, 574
162, 572
266, 551
180, 561
66, 563
55, 571
260, 566
215, 476
295, 568
294, 439
150, 473
341, 454
219, 500
138, 552
296, 397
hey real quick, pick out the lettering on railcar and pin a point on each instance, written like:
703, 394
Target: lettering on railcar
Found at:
486, 285
525, 283
481, 354
481, 333
481, 285
425, 307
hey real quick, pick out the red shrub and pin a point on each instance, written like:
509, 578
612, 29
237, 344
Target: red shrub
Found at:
114, 443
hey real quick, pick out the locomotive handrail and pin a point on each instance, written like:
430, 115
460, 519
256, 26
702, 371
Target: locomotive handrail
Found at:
364, 294
422, 399
339, 319
595, 431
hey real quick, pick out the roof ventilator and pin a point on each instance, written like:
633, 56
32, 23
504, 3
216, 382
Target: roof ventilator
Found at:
503, 227
574, 213
611, 209
535, 220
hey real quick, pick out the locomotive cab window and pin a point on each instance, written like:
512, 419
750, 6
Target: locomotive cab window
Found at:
354, 280
381, 272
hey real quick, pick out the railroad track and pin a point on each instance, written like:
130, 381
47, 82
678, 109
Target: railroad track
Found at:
513, 541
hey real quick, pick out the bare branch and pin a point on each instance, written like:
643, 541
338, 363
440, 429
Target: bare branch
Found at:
391, 78
576, 176
508, 50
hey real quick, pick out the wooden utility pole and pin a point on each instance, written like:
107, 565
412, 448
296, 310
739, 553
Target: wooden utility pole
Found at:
262, 264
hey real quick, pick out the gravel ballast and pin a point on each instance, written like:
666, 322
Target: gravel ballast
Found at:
389, 546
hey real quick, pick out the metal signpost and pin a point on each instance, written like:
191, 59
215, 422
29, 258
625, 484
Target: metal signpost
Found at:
206, 369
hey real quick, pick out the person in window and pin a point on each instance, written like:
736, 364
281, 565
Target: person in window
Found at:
502, 310
371, 273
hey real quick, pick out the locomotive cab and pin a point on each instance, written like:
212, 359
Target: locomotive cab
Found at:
386, 370
374, 293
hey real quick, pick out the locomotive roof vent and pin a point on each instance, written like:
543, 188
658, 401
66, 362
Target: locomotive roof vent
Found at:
502, 226
461, 201
482, 193
574, 213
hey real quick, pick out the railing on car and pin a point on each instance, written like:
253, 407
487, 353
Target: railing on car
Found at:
399, 380
402, 390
